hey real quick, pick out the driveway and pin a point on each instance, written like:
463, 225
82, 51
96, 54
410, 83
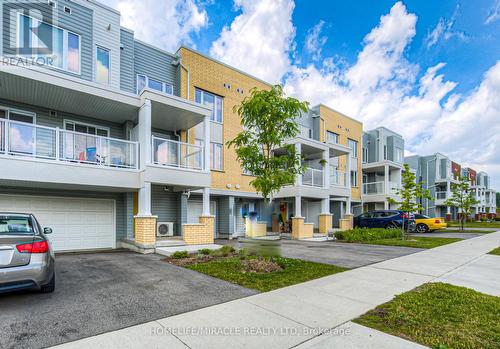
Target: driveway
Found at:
101, 292
328, 252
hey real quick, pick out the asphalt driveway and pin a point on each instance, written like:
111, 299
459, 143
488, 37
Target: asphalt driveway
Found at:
101, 292
328, 252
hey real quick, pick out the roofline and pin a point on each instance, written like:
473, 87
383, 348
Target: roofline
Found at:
222, 63
127, 30
336, 111
100, 4
385, 128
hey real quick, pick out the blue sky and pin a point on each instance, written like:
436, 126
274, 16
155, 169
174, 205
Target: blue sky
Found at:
429, 70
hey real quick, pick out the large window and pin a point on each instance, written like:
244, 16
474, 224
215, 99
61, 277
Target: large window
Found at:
102, 70
216, 156
353, 145
56, 47
354, 178
144, 81
212, 101
398, 155
332, 137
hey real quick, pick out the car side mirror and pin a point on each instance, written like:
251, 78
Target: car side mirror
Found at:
47, 230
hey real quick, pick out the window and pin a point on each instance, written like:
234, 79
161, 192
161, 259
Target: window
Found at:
365, 154
216, 156
353, 145
332, 137
212, 101
86, 128
144, 81
385, 152
57, 47
305, 132
354, 178
16, 224
398, 155
102, 66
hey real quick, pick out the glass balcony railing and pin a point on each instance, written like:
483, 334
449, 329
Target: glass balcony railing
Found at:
34, 141
373, 188
312, 177
167, 152
338, 178
441, 195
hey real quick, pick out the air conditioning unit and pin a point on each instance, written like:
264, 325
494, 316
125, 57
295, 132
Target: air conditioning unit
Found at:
164, 229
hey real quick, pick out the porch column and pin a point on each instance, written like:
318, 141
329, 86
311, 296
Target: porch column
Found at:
298, 206
326, 169
348, 206
206, 202
206, 142
386, 180
145, 200
386, 205
325, 206
145, 139
298, 150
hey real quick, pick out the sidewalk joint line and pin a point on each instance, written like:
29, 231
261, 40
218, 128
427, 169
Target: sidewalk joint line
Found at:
166, 329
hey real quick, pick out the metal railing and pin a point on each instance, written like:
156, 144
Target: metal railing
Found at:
167, 152
338, 178
394, 188
374, 188
440, 195
34, 141
312, 177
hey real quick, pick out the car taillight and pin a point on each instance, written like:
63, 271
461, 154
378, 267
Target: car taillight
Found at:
437, 221
36, 247
404, 215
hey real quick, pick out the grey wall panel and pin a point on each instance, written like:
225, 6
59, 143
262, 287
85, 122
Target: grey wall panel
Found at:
79, 21
154, 63
166, 205
127, 75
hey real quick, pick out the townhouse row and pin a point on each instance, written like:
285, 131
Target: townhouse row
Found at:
116, 143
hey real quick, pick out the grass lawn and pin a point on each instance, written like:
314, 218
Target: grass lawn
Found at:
496, 251
476, 224
440, 316
413, 241
294, 271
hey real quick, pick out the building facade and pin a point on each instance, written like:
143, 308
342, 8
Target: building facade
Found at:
485, 195
115, 140
383, 157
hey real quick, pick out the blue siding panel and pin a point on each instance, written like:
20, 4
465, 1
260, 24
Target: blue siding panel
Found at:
127, 76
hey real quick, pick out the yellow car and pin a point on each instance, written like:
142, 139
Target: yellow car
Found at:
426, 224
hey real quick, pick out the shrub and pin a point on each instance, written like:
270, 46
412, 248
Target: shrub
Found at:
180, 254
367, 234
204, 251
224, 251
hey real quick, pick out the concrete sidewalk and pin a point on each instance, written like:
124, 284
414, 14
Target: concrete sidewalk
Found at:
295, 315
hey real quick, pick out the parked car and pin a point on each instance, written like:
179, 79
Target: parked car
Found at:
26, 257
425, 224
389, 219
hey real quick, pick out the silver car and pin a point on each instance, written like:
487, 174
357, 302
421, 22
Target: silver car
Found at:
26, 257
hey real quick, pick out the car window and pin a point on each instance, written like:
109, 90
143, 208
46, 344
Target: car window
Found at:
420, 216
15, 225
366, 215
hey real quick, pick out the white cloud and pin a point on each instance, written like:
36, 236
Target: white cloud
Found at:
494, 13
164, 23
444, 31
258, 40
314, 41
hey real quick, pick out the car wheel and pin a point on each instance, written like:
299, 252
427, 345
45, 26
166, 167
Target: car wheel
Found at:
422, 228
391, 226
50, 287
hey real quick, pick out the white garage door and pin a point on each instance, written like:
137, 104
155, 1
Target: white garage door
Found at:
77, 224
195, 209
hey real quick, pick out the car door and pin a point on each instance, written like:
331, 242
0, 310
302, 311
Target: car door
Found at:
15, 231
363, 220
377, 220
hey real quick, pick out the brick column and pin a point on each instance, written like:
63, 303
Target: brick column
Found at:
325, 223
301, 230
145, 230
201, 233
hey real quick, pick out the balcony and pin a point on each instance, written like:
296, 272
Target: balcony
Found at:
377, 191
312, 178
440, 198
338, 183
374, 188
43, 154
167, 152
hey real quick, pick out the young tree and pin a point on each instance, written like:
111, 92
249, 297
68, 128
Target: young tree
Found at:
462, 199
411, 194
268, 118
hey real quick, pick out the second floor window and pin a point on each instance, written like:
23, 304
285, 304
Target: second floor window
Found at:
398, 155
354, 178
353, 145
212, 101
216, 156
102, 70
56, 47
332, 137
144, 81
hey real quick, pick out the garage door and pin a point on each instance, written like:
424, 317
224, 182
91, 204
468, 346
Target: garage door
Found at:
77, 224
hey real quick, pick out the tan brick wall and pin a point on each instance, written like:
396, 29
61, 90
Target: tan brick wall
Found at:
145, 230
325, 223
347, 222
255, 229
199, 233
345, 127
211, 76
301, 230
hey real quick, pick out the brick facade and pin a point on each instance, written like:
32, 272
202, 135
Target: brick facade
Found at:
301, 230
199, 233
145, 230
325, 223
